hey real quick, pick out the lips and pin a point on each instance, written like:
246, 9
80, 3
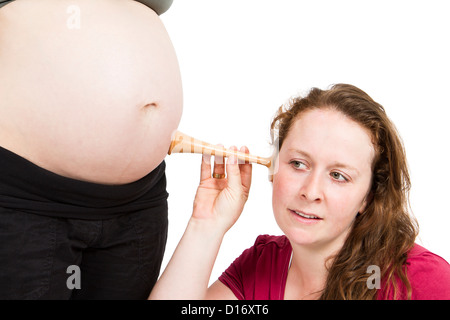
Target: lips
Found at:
306, 215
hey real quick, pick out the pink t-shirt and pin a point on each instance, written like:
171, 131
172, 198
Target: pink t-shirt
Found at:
260, 273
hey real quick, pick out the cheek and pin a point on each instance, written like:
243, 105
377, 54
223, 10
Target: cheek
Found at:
343, 206
282, 190
276, 194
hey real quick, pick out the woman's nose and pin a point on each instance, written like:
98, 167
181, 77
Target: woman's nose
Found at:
312, 189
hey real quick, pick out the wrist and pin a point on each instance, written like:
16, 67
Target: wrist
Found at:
206, 228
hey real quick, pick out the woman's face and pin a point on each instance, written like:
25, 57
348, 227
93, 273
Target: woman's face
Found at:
323, 178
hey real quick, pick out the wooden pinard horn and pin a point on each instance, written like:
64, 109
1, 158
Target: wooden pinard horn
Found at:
182, 143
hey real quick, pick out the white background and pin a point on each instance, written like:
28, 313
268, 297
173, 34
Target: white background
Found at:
241, 59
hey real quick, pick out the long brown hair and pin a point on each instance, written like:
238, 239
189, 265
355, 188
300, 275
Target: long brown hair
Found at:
383, 234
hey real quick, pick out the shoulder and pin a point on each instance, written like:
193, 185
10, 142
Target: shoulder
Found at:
267, 241
259, 267
428, 273
421, 260
265, 247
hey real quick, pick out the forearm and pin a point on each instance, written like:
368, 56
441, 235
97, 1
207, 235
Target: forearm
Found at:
217, 205
188, 271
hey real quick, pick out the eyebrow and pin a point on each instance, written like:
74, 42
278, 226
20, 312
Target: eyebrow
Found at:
334, 164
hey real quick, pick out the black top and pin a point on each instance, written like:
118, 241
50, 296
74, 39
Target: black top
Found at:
29, 188
159, 6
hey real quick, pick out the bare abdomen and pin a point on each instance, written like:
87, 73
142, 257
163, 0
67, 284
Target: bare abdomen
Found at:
94, 98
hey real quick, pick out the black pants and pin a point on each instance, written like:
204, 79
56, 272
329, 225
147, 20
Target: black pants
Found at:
58, 234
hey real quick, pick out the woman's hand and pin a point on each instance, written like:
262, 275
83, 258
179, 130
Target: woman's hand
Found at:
220, 201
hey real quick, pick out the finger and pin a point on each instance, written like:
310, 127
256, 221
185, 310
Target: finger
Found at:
219, 162
246, 171
233, 173
205, 170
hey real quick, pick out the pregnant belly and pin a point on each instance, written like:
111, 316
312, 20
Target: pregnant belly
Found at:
90, 90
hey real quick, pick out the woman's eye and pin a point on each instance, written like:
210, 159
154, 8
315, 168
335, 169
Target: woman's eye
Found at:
297, 164
339, 177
